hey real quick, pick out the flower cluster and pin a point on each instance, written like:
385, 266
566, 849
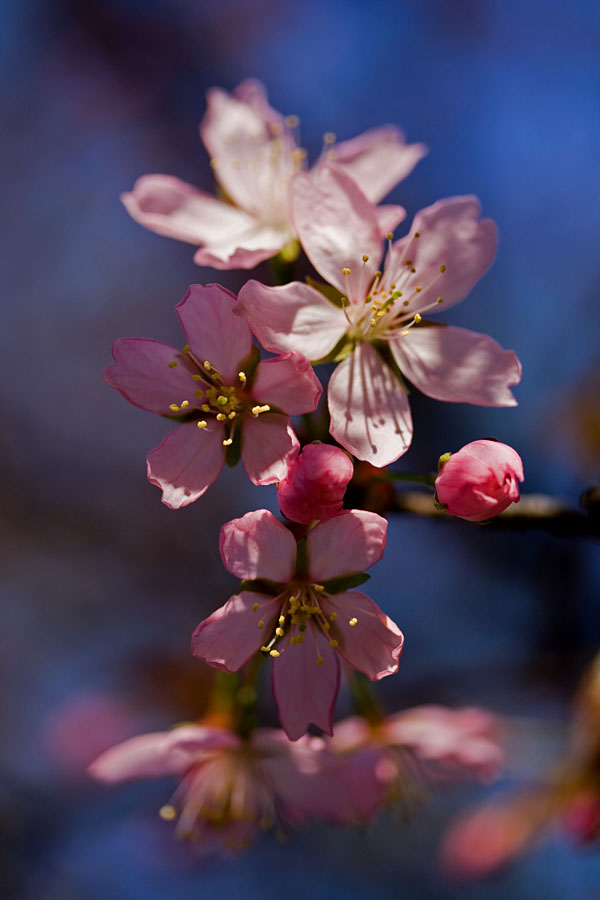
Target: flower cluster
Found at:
297, 606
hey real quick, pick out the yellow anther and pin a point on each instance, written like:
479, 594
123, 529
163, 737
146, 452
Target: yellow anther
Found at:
232, 415
417, 234
378, 274
221, 417
242, 377
228, 442
261, 623
408, 263
440, 299
373, 323
329, 137
443, 267
345, 271
333, 643
185, 403
390, 235
380, 313
205, 407
404, 333
279, 632
168, 812
255, 606
274, 654
292, 121
418, 318
173, 407
282, 620
319, 660
405, 302
365, 258
418, 288
326, 626
392, 286
264, 649
187, 348
222, 401
257, 410
333, 617
413, 269
213, 163
207, 365
201, 424
196, 377
293, 641
199, 394
173, 364
353, 621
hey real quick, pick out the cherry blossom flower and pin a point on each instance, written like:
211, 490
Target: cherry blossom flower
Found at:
378, 330
254, 155
232, 788
225, 401
315, 484
480, 480
294, 604
384, 763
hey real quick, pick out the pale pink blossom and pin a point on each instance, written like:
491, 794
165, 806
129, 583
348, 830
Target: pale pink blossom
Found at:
315, 483
223, 398
299, 611
480, 480
385, 762
378, 331
254, 154
231, 788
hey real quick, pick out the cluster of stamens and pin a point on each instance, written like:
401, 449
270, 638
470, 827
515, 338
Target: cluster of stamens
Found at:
222, 402
302, 604
388, 303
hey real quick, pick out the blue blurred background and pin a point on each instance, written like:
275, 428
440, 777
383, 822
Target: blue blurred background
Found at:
103, 585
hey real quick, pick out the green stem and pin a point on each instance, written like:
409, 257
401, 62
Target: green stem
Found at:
364, 699
246, 716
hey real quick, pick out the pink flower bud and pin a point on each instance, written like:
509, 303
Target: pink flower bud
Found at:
480, 480
315, 484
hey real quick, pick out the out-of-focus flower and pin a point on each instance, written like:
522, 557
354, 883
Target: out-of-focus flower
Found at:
315, 484
377, 329
384, 763
255, 155
294, 604
480, 480
231, 788
228, 404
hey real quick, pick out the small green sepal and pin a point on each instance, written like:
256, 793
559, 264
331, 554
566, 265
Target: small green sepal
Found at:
443, 460
261, 586
345, 582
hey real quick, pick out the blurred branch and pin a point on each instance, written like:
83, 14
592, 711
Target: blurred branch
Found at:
534, 511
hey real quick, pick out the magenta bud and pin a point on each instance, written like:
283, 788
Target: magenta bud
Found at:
315, 484
480, 481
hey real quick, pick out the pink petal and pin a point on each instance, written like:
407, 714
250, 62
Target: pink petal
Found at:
374, 643
143, 375
231, 635
378, 159
258, 546
186, 463
461, 366
213, 331
389, 217
268, 446
370, 413
304, 691
287, 382
159, 754
292, 317
144, 756
451, 234
253, 92
240, 141
243, 249
169, 206
349, 542
337, 226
